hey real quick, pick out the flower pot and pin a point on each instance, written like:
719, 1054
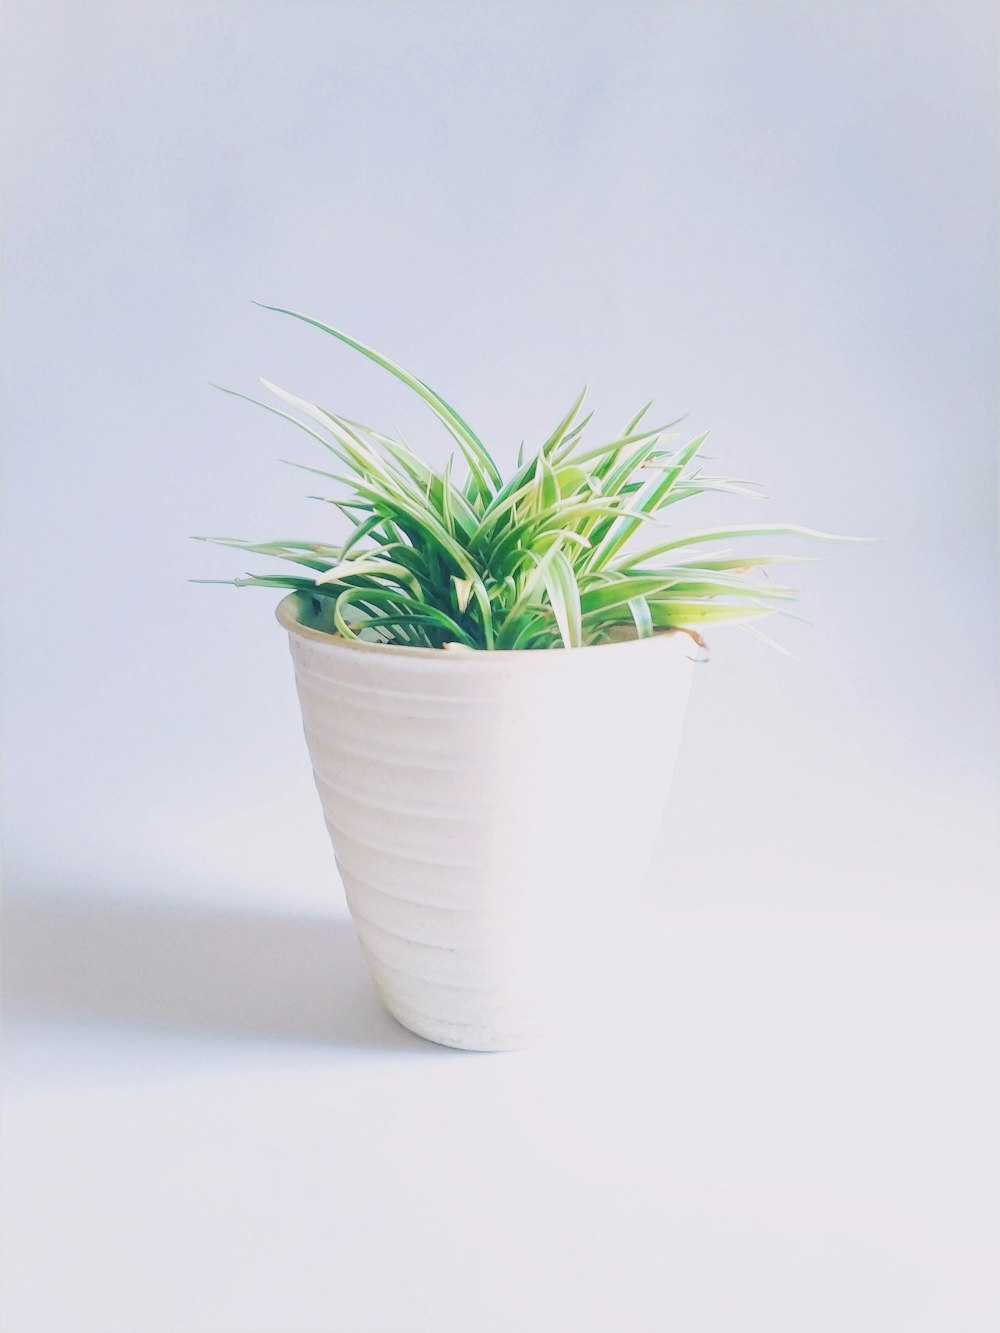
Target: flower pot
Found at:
492, 814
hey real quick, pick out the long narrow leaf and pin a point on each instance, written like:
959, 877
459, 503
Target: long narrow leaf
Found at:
470, 441
564, 596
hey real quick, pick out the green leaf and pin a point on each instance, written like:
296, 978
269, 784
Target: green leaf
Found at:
560, 432
564, 596
404, 610
749, 530
642, 616
468, 440
646, 504
463, 591
276, 411
375, 567
620, 591
689, 615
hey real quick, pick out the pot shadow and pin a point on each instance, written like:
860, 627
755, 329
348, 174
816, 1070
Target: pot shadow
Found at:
209, 972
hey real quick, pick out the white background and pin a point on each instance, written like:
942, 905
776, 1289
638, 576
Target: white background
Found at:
780, 218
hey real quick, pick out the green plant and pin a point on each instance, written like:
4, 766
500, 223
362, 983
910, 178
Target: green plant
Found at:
544, 559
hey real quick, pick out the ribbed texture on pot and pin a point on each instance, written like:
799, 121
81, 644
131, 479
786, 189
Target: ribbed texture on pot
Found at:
492, 815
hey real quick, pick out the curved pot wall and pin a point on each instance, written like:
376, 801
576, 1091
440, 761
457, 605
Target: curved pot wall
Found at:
492, 814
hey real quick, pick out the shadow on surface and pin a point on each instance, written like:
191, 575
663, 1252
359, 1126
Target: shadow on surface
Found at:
183, 968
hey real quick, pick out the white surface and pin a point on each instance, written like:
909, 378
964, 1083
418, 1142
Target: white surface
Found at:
778, 217
782, 1120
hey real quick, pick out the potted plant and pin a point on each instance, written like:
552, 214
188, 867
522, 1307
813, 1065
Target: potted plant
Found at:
493, 679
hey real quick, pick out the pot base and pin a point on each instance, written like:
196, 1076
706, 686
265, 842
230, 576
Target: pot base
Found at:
461, 1036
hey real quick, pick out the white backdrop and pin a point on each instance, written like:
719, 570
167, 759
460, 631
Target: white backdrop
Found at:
779, 218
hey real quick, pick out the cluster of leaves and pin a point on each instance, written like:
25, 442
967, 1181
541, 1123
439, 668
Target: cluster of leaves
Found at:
545, 559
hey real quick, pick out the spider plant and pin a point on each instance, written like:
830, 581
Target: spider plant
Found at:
548, 557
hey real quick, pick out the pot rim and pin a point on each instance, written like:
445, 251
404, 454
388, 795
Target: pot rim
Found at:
285, 615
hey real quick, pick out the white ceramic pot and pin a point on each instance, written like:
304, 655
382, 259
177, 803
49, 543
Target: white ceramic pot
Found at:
492, 814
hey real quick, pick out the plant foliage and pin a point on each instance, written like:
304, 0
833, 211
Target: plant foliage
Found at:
547, 558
